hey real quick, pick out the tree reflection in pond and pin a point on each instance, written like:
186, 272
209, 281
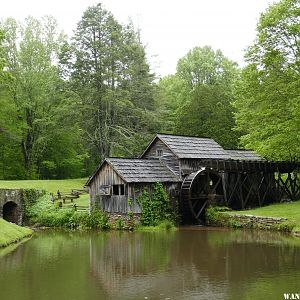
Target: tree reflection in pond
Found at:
187, 264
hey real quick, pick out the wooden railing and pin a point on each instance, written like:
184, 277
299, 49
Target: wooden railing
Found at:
80, 208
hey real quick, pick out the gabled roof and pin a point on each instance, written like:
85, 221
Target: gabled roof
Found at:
139, 170
191, 147
244, 155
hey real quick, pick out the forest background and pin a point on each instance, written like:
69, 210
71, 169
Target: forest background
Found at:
65, 104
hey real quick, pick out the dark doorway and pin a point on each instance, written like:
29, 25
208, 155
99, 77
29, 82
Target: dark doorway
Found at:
10, 212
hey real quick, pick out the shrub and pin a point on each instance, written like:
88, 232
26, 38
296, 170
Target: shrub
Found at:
98, 219
45, 213
120, 225
214, 216
157, 208
31, 196
43, 206
166, 225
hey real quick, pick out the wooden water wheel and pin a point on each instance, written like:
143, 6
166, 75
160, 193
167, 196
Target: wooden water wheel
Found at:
197, 190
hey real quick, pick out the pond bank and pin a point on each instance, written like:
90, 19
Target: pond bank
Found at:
284, 217
12, 233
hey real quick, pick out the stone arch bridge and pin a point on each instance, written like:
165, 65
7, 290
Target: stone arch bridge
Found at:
12, 205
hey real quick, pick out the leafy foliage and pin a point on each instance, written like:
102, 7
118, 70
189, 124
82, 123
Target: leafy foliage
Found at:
30, 197
108, 70
157, 208
41, 113
65, 105
268, 101
45, 213
4, 76
71, 104
197, 100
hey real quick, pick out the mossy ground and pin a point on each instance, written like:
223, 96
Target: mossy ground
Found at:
11, 233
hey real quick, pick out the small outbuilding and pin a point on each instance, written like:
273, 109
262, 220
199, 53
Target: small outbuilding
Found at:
118, 180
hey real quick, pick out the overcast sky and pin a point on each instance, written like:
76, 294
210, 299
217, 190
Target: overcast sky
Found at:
169, 28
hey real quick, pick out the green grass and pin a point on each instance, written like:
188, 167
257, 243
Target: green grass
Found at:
11, 233
289, 210
83, 200
163, 226
51, 186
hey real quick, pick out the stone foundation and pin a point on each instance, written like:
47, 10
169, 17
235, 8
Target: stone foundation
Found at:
128, 221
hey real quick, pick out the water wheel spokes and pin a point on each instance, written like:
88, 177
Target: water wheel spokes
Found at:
198, 188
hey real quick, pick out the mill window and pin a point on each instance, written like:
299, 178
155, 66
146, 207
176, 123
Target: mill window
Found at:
118, 189
159, 152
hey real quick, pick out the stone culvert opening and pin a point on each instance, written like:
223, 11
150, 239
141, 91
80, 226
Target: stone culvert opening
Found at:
10, 212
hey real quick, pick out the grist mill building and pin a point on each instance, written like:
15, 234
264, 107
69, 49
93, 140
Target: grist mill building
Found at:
195, 172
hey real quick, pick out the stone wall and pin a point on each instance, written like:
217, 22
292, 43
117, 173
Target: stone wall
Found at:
15, 196
224, 217
258, 221
128, 221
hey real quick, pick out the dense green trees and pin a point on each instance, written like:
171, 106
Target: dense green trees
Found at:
108, 70
71, 104
268, 94
66, 104
198, 97
2, 59
34, 101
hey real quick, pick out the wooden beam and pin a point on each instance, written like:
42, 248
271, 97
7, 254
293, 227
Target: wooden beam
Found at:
200, 211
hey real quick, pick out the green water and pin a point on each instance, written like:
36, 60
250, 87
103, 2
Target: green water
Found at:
188, 264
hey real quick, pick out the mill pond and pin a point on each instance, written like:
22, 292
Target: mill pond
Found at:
191, 263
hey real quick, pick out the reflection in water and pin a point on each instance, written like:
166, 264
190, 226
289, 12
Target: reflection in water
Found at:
187, 264
191, 264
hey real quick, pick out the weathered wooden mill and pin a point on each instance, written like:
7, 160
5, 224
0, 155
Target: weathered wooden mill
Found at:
196, 172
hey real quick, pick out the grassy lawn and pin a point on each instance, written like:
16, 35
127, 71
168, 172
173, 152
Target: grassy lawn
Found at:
51, 186
10, 233
289, 210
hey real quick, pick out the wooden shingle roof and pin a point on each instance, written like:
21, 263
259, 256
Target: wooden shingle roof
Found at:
142, 170
244, 155
139, 170
193, 147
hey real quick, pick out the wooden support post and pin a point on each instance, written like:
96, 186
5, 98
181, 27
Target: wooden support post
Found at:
241, 191
232, 191
224, 186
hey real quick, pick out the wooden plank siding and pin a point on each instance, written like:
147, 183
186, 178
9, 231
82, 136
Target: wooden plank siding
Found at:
168, 157
105, 179
120, 203
189, 165
107, 176
121, 172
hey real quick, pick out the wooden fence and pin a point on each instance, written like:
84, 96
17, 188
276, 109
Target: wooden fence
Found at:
80, 208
